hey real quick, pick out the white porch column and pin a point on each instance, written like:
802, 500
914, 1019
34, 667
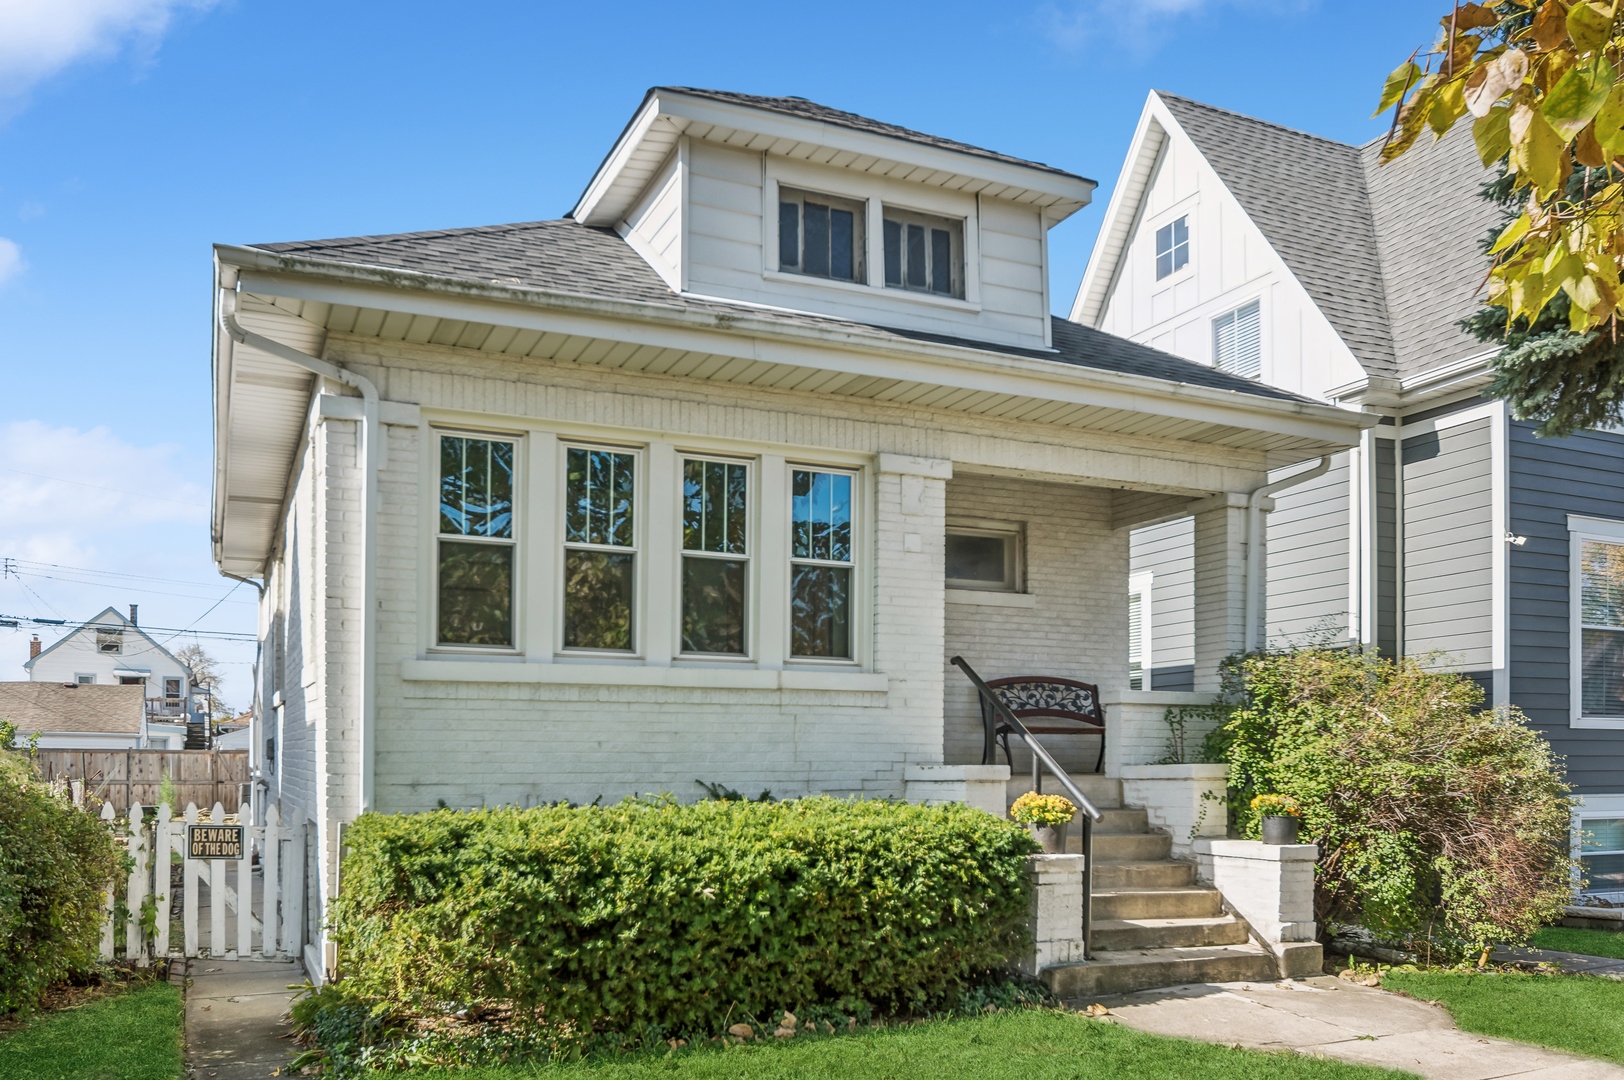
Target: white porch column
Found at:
1220, 580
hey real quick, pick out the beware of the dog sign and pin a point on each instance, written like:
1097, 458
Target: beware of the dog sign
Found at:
214, 841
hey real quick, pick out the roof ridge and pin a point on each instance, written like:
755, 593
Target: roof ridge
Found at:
1168, 96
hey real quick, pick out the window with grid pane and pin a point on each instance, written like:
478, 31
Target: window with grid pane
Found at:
1601, 856
600, 551
1601, 627
1172, 247
820, 235
715, 556
476, 542
822, 560
923, 252
1237, 341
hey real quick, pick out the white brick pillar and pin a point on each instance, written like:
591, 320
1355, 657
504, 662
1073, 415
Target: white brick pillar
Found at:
1271, 886
1056, 918
1220, 584
910, 596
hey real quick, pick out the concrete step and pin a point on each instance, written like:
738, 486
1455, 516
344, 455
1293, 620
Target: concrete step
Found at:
1103, 791
1145, 969
1114, 935
1125, 820
1129, 847
1162, 874
1187, 903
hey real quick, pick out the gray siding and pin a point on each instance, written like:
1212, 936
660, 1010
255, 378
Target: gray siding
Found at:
1550, 479
1307, 552
1448, 522
1386, 548
1168, 551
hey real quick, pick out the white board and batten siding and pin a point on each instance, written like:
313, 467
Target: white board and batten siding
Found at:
728, 246
1230, 265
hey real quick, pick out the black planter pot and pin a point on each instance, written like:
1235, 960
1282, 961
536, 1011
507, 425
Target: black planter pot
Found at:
1280, 829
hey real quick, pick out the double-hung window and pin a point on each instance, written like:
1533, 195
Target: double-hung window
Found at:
822, 560
1601, 856
923, 252
600, 549
715, 556
476, 542
1601, 624
820, 235
1172, 247
1237, 341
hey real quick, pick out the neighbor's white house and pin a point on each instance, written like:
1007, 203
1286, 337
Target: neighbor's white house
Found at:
708, 480
112, 650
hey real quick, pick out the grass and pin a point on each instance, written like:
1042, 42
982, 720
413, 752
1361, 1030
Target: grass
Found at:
1026, 1044
1577, 1013
1609, 943
134, 1035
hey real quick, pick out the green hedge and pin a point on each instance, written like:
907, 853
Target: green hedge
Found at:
681, 918
55, 863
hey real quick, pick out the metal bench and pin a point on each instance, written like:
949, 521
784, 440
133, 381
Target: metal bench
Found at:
1047, 705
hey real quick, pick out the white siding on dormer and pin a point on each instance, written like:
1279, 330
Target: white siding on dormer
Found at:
1231, 264
729, 243
654, 227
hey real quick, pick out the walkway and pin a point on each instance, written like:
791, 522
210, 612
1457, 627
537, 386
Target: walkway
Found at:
234, 1012
1332, 1018
1579, 963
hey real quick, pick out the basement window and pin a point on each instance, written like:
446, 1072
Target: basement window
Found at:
924, 253
820, 235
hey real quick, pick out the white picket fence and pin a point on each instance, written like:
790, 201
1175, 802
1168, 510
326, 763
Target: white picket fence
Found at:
224, 886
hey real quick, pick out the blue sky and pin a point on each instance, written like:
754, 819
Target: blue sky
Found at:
134, 133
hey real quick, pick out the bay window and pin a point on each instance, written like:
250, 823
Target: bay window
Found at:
600, 551
476, 543
822, 559
715, 556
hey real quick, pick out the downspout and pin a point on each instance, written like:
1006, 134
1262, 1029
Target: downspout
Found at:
1254, 545
256, 727
371, 455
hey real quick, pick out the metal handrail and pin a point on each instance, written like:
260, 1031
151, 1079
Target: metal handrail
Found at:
1091, 813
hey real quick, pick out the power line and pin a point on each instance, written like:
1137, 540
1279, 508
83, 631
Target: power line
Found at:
224, 635
203, 616
112, 573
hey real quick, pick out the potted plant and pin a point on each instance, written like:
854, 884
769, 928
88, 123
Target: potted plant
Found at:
1047, 817
1282, 818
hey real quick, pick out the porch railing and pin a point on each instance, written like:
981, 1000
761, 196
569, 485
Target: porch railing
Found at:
1042, 759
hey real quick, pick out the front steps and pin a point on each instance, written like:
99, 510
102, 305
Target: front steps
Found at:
1154, 924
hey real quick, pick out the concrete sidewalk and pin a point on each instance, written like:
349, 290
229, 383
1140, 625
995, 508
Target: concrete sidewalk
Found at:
234, 1026
1579, 963
1332, 1018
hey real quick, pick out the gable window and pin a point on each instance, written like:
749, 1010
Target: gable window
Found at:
110, 641
171, 688
1237, 341
1172, 247
600, 550
987, 559
822, 559
1601, 856
476, 542
924, 253
715, 556
820, 235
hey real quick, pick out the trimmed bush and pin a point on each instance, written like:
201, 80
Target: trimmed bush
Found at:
680, 918
55, 863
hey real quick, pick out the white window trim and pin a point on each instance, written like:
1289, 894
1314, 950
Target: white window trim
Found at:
1580, 529
1585, 807
1187, 212
751, 556
1143, 583
641, 503
860, 561
432, 468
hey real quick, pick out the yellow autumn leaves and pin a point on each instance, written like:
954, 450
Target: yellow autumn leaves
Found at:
1542, 86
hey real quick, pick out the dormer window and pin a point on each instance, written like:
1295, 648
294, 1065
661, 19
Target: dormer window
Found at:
1172, 247
820, 235
924, 253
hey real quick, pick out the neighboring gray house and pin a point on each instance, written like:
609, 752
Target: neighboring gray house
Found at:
1450, 530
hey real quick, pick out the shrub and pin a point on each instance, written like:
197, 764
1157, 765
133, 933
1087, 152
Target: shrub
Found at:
55, 863
652, 915
1434, 817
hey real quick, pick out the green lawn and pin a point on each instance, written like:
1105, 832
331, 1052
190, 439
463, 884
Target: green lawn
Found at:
1020, 1045
130, 1036
1608, 943
1577, 1013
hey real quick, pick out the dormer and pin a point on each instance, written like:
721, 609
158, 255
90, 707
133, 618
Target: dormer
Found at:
791, 205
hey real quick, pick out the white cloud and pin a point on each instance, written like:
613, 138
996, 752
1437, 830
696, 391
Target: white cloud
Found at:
1139, 27
11, 260
38, 38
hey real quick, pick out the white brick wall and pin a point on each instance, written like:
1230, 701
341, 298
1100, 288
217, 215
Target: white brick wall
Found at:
1270, 885
1056, 917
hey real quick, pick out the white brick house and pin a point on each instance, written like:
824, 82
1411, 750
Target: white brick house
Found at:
665, 491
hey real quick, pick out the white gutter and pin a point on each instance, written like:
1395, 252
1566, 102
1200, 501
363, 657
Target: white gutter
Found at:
1254, 542
371, 460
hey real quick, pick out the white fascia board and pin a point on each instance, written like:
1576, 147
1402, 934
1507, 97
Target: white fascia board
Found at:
605, 201
1115, 230
823, 348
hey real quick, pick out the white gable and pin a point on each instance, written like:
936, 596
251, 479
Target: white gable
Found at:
1231, 264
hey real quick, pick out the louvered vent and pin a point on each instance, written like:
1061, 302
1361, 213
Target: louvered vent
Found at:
1237, 341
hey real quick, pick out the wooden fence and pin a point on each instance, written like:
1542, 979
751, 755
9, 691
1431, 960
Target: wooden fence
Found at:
126, 777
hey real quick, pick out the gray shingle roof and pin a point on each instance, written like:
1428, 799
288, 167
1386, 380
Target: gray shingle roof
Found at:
565, 256
46, 706
811, 110
1307, 195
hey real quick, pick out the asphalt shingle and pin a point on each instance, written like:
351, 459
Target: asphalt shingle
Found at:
46, 706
